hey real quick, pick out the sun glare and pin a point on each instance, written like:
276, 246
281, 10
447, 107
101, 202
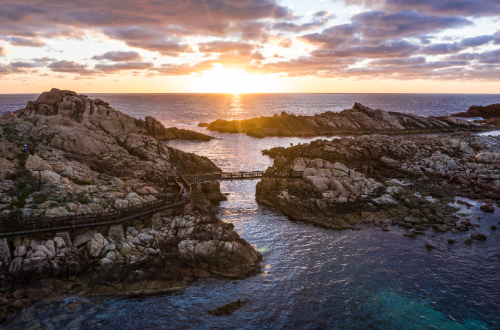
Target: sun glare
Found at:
234, 81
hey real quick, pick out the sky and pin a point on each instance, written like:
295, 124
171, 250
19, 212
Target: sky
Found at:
250, 46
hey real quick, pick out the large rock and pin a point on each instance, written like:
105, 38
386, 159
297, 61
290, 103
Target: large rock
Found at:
84, 238
489, 111
488, 157
35, 163
116, 233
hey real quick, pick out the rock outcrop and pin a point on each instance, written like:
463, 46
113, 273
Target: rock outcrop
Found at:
80, 108
162, 254
358, 120
156, 129
486, 112
383, 180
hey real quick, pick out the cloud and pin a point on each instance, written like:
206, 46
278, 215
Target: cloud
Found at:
225, 47
3, 51
321, 18
448, 48
376, 24
8, 69
119, 56
118, 67
285, 43
26, 42
44, 59
435, 7
65, 66
21, 64
158, 25
387, 50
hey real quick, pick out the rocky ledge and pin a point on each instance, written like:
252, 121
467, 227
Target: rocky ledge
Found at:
407, 181
161, 254
80, 108
358, 120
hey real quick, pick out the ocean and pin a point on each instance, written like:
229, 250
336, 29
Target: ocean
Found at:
312, 278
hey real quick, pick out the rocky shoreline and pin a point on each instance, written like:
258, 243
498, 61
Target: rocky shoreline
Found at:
358, 120
90, 158
489, 113
376, 179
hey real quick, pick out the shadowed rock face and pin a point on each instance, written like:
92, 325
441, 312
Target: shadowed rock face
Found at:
350, 181
358, 120
158, 131
486, 112
80, 108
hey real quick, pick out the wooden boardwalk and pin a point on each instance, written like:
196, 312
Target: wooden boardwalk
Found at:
18, 226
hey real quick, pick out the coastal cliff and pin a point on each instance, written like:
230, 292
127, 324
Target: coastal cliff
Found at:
384, 180
88, 161
358, 120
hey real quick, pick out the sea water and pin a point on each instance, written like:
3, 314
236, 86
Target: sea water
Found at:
312, 278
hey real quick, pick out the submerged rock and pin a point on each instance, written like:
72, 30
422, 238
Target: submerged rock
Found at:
228, 308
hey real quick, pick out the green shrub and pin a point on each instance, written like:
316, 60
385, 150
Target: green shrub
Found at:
83, 200
39, 198
53, 204
60, 199
19, 204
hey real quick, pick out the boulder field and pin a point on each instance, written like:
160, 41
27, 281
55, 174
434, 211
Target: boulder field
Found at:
377, 179
358, 120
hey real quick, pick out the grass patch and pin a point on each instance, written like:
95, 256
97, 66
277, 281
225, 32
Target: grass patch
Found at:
83, 201
39, 198
81, 182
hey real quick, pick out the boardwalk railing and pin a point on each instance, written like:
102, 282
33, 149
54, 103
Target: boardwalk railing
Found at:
218, 176
15, 226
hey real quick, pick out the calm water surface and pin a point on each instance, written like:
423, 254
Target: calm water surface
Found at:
312, 278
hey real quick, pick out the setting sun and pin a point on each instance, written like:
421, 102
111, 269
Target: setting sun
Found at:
234, 81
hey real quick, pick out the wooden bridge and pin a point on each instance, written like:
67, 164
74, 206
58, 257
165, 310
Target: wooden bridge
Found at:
16, 225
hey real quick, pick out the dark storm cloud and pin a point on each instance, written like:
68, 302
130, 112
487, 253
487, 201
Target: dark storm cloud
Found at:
225, 46
435, 7
119, 56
